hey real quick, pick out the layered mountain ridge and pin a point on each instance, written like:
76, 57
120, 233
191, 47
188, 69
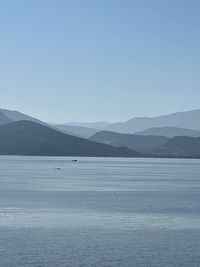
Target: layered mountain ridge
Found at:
30, 138
173, 135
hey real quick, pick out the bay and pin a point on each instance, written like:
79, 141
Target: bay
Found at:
99, 211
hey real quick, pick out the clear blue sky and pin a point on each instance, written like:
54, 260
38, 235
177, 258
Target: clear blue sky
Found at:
91, 60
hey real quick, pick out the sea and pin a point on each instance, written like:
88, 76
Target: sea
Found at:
69, 211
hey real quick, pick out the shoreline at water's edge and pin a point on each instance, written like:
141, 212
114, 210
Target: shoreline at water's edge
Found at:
124, 157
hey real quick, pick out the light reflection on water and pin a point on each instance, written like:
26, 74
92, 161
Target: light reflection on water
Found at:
99, 212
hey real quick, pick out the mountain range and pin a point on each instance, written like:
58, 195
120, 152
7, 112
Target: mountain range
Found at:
151, 145
173, 135
187, 120
171, 125
169, 132
30, 138
136, 142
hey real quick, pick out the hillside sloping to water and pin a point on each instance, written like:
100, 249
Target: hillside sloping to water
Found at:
30, 138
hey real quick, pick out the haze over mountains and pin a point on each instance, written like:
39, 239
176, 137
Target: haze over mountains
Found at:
175, 124
94, 125
82, 129
187, 120
170, 135
14, 115
169, 132
139, 143
79, 131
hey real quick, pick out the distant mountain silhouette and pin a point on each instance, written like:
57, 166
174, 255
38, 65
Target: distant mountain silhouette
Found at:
92, 125
30, 138
4, 119
136, 142
34, 137
187, 120
170, 132
79, 131
14, 115
179, 146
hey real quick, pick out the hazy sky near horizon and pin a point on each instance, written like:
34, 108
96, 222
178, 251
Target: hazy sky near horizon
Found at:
91, 60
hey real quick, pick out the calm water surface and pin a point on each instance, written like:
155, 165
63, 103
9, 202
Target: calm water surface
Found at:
99, 212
